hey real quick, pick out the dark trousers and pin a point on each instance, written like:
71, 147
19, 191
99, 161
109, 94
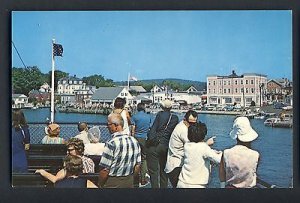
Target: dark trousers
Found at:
173, 176
119, 182
142, 142
156, 162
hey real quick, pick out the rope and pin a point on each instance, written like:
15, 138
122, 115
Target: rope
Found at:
18, 54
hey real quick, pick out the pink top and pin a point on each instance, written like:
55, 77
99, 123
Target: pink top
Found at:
240, 166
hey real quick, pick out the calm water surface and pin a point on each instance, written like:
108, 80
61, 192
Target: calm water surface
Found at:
273, 144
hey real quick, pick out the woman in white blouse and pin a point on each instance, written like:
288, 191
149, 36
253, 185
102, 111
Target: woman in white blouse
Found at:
197, 156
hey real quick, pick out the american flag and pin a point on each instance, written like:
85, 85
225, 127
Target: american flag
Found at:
57, 50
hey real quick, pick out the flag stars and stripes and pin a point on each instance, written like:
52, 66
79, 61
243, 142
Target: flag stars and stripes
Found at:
57, 50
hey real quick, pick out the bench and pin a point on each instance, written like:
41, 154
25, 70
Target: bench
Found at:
36, 180
47, 149
50, 157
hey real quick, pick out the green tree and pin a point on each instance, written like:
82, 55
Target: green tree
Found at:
58, 74
26, 79
98, 81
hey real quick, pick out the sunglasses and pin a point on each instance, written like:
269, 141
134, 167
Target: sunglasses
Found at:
69, 150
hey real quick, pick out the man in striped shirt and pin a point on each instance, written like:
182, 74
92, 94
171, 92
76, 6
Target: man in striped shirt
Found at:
121, 157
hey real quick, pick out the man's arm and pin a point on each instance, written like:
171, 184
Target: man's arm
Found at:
103, 176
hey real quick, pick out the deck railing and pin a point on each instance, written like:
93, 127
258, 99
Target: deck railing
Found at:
67, 130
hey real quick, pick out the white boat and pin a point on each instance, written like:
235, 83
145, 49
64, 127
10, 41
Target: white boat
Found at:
271, 121
284, 121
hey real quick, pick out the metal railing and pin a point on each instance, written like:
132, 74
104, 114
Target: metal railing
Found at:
67, 130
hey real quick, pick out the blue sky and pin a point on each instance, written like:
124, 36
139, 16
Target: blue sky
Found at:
156, 44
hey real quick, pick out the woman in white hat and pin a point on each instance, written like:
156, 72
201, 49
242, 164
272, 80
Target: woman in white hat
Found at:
239, 164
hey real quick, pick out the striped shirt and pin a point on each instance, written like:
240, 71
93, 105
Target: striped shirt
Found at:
88, 165
120, 155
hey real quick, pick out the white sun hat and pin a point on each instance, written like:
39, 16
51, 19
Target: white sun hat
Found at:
243, 130
166, 104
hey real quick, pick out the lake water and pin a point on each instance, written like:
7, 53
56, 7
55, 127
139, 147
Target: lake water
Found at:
273, 144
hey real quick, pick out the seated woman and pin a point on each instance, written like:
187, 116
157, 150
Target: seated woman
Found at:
94, 147
73, 166
197, 156
52, 135
239, 164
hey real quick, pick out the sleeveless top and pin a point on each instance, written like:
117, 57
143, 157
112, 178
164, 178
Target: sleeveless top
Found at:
240, 166
71, 182
52, 140
125, 126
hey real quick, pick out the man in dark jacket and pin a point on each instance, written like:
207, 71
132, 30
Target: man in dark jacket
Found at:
162, 128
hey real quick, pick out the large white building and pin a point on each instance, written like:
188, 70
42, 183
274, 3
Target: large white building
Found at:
233, 89
67, 87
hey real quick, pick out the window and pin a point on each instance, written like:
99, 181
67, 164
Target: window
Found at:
220, 82
247, 91
249, 99
236, 82
214, 82
252, 90
225, 91
236, 90
125, 94
228, 90
252, 82
70, 82
225, 82
220, 90
228, 82
122, 94
208, 90
241, 82
208, 83
238, 99
246, 82
242, 90
75, 82
214, 91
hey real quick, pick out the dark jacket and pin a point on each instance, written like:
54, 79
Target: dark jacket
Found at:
160, 123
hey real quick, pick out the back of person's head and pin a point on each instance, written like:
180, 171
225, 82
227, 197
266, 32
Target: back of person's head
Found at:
191, 116
197, 132
116, 119
141, 107
53, 130
18, 119
94, 134
119, 103
166, 105
73, 165
82, 126
77, 144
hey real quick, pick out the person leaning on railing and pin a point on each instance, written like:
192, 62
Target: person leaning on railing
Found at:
75, 146
239, 164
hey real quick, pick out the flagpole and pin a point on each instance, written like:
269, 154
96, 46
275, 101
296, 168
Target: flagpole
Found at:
128, 81
52, 86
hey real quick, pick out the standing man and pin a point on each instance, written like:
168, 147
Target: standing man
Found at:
175, 152
83, 129
162, 128
141, 123
121, 157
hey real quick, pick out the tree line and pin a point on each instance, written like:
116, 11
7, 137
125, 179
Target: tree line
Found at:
26, 79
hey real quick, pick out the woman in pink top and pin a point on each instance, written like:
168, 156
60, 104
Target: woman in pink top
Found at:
239, 164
